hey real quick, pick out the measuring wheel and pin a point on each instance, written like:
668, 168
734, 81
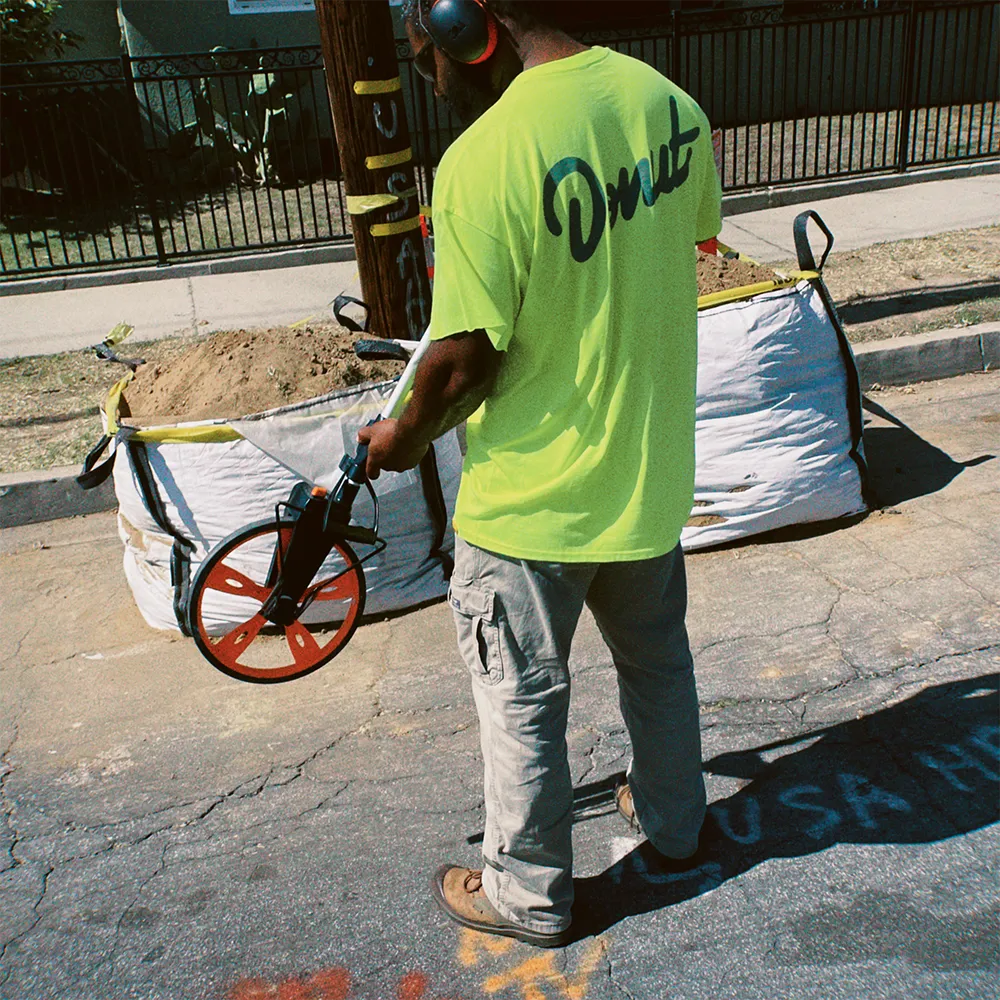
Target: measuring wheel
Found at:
237, 579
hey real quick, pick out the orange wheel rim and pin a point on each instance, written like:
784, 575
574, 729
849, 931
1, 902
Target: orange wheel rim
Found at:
304, 650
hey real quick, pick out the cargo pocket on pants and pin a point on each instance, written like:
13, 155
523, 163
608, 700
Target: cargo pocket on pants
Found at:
474, 608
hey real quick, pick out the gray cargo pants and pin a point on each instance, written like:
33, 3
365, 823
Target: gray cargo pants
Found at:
516, 620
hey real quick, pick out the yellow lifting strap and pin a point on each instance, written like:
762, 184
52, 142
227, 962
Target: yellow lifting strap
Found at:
736, 253
202, 434
117, 334
112, 402
749, 291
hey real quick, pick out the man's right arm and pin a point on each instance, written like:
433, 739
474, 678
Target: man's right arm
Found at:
451, 382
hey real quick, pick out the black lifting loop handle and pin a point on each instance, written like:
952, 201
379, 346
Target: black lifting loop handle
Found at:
89, 477
802, 248
345, 321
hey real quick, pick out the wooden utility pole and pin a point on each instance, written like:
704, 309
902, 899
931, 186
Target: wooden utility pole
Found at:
362, 77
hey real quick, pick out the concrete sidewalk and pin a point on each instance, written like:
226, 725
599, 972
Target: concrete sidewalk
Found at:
170, 833
44, 322
860, 220
47, 322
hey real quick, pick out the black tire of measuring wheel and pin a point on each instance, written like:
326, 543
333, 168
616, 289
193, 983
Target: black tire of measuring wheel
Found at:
224, 548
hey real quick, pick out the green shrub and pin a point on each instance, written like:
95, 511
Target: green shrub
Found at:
27, 34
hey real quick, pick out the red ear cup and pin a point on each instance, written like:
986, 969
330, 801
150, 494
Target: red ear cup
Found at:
491, 42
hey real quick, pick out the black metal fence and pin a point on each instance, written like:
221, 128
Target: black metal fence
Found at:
155, 159
110, 162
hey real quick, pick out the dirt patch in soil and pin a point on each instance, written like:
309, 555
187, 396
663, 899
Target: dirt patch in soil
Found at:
233, 373
915, 286
716, 274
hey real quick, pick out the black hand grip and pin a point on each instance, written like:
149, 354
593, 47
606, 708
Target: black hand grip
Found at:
802, 248
357, 533
380, 350
360, 460
338, 313
91, 477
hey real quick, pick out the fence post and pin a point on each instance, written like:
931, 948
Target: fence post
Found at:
133, 103
906, 101
675, 49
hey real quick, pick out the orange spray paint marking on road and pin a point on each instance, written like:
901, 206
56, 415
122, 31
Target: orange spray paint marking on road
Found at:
540, 971
412, 986
472, 943
329, 984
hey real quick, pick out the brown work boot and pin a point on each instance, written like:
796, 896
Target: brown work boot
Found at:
623, 796
459, 892
656, 861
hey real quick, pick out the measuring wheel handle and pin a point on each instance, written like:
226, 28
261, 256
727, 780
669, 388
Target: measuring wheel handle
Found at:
291, 557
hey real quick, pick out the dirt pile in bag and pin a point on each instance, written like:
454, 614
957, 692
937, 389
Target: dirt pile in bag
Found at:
233, 373
236, 372
715, 274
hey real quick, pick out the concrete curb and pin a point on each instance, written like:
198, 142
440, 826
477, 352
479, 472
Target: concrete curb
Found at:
50, 494
331, 253
732, 204
923, 357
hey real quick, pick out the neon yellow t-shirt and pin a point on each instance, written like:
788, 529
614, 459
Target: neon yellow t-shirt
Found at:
565, 223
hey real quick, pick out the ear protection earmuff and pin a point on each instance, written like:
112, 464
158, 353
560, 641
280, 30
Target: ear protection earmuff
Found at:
462, 29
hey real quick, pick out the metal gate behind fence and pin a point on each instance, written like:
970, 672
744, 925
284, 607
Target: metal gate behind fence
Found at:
156, 159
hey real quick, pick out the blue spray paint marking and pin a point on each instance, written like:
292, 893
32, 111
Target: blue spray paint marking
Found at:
958, 760
416, 305
862, 796
740, 819
389, 131
397, 183
828, 818
751, 821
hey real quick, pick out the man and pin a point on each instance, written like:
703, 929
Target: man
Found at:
563, 322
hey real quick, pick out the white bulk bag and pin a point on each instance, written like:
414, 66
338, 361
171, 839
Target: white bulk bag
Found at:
205, 480
778, 432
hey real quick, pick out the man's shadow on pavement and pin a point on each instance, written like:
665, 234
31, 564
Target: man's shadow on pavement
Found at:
921, 771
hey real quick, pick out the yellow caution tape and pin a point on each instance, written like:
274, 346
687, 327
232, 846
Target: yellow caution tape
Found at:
111, 403
391, 228
360, 204
749, 291
377, 86
389, 159
203, 434
118, 333
302, 322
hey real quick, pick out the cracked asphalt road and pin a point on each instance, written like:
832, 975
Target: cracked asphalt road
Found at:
171, 833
